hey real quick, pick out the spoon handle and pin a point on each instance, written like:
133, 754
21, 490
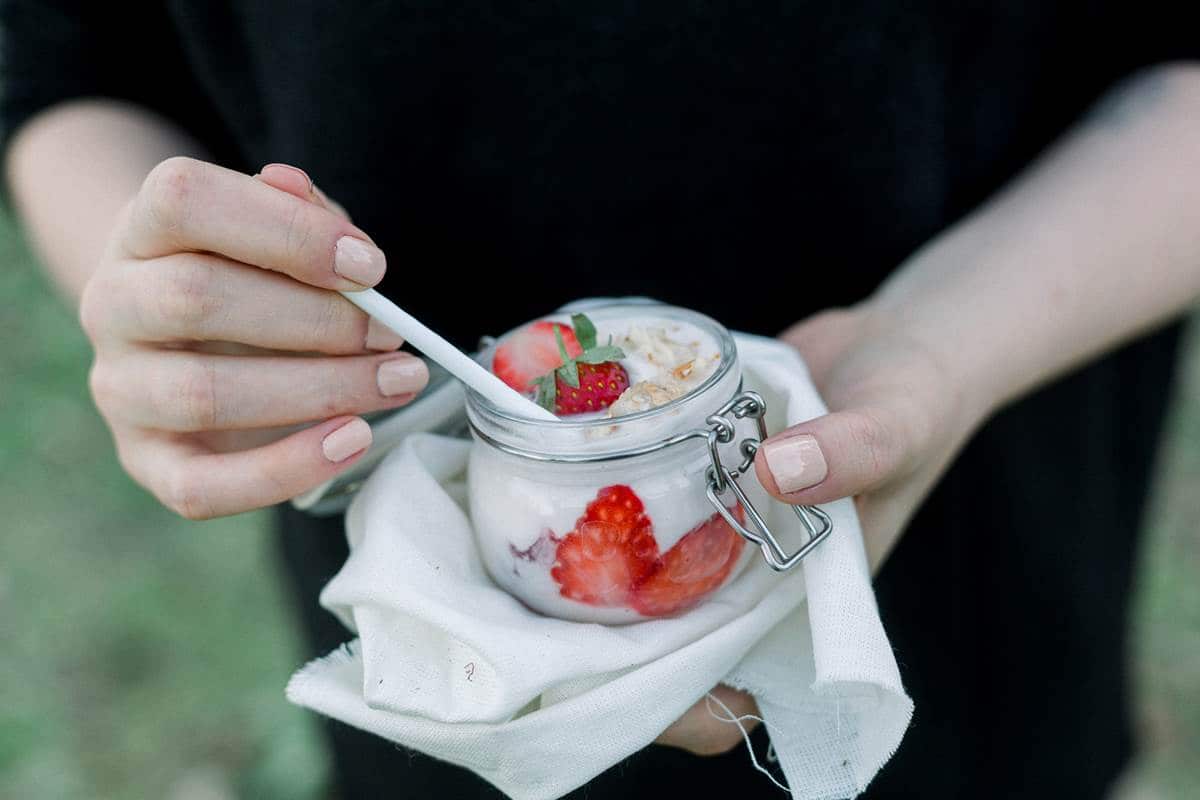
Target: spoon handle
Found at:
455, 361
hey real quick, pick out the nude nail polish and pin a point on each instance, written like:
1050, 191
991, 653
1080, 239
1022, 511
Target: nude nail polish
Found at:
402, 376
358, 261
796, 462
381, 337
347, 440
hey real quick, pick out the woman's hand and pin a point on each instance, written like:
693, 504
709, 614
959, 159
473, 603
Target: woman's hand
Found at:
220, 337
1093, 244
897, 417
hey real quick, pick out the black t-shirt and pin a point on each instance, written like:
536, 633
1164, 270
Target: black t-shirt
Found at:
755, 162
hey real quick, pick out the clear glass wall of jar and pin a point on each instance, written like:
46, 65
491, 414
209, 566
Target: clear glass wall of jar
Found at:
608, 520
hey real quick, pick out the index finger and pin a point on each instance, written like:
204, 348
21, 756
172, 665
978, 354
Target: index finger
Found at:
187, 204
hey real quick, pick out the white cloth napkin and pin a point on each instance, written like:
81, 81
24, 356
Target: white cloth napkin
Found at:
448, 664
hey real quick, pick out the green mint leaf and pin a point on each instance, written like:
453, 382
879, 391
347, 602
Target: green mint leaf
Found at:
585, 331
598, 355
569, 372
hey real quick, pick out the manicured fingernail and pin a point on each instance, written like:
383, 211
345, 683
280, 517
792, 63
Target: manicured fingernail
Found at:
402, 376
295, 171
347, 440
358, 261
796, 462
381, 337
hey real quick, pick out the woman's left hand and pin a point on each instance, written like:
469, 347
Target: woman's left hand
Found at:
897, 417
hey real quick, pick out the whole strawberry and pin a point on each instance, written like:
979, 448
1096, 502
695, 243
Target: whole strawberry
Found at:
589, 381
599, 387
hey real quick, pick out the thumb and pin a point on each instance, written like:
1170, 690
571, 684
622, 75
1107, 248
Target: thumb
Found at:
838, 455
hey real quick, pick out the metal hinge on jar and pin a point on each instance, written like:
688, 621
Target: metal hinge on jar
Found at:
723, 480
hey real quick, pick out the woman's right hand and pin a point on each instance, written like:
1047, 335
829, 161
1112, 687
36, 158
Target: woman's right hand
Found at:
220, 337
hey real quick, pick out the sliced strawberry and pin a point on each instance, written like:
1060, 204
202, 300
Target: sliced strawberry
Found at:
599, 387
611, 557
532, 352
696, 565
610, 550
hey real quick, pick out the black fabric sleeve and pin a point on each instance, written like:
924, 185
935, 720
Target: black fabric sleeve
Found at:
53, 51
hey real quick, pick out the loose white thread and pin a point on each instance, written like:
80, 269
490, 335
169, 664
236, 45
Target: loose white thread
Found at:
708, 700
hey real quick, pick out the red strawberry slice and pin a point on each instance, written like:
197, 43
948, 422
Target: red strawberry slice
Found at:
695, 566
599, 387
611, 548
611, 557
532, 352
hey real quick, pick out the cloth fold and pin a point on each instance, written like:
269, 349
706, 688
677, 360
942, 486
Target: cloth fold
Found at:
447, 663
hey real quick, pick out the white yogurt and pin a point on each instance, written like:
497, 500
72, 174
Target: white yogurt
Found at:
665, 360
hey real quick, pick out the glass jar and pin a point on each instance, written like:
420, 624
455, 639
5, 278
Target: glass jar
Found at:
615, 520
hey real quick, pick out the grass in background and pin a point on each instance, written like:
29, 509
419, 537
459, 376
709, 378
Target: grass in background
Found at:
145, 656
141, 655
1166, 615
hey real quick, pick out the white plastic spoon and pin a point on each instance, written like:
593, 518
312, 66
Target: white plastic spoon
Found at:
456, 362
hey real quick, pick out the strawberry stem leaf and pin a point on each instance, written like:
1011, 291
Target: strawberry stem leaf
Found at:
598, 355
547, 393
569, 372
585, 331
562, 345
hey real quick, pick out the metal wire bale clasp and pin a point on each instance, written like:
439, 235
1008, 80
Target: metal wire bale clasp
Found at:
722, 480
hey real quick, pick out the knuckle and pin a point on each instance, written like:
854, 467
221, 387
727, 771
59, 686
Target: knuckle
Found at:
332, 408
298, 228
182, 298
332, 324
102, 385
191, 399
128, 461
333, 403
91, 316
877, 445
186, 493
277, 489
168, 192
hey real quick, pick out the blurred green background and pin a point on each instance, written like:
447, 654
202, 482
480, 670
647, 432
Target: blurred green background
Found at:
144, 656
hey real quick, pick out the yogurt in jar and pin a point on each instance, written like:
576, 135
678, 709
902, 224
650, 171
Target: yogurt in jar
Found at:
665, 360
603, 516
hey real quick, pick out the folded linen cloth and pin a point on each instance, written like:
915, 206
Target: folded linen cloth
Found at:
448, 664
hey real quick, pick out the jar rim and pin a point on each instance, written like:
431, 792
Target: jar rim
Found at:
479, 405
607, 455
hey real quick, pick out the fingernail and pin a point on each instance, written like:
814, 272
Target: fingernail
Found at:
796, 462
299, 173
402, 376
358, 261
381, 337
347, 440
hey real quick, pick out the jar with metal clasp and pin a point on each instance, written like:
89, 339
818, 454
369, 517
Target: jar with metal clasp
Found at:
635, 516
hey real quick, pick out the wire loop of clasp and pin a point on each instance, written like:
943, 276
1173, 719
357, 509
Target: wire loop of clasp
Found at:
724, 481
